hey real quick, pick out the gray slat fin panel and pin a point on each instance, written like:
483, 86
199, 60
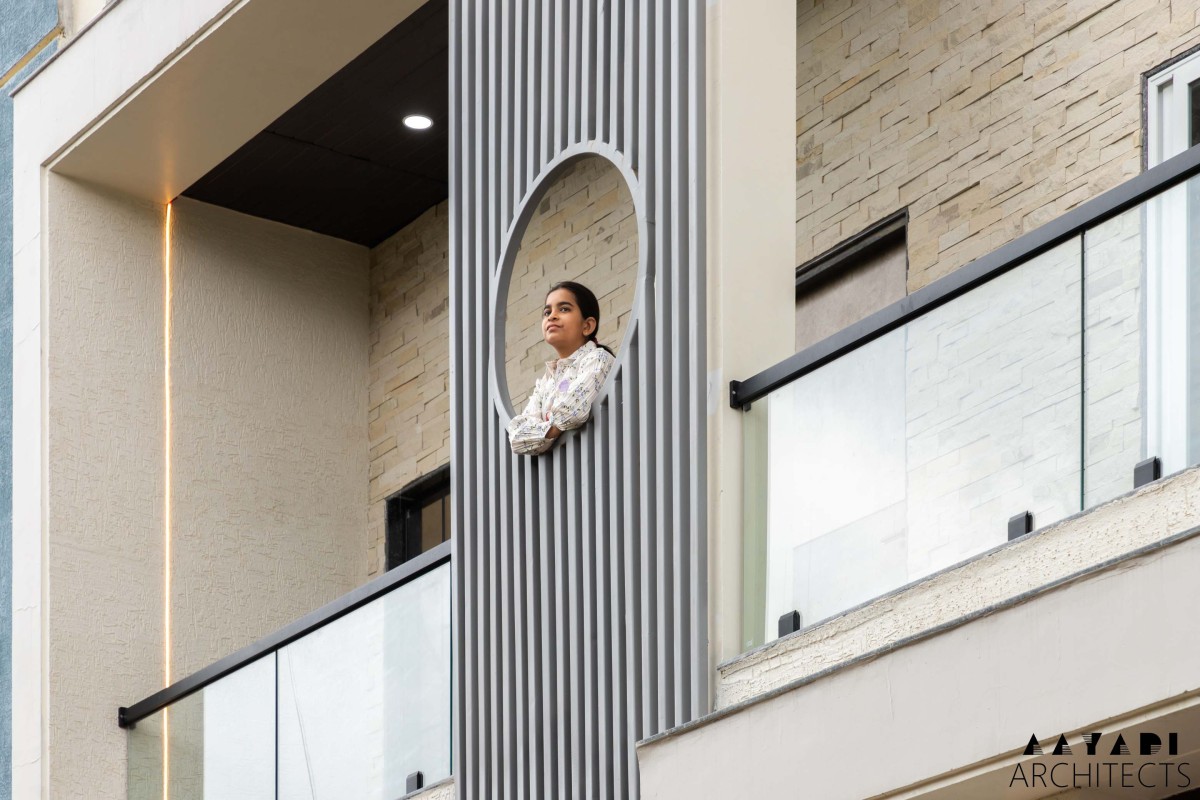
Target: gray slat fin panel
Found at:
579, 576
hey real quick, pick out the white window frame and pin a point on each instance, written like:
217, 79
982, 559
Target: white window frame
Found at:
1168, 133
1168, 118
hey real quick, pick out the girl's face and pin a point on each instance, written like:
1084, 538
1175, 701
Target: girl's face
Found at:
563, 326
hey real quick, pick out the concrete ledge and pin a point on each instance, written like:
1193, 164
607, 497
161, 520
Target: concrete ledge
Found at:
442, 790
946, 714
1120, 527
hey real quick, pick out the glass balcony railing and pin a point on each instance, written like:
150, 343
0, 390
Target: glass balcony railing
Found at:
909, 446
348, 708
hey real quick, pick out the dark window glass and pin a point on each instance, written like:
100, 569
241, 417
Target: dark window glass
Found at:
418, 517
1194, 114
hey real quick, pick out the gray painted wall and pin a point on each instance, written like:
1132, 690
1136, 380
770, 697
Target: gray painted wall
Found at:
580, 575
23, 23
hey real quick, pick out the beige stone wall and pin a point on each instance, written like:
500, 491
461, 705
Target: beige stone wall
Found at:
408, 418
985, 119
584, 230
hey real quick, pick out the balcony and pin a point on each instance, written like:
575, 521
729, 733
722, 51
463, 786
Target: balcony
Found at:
1021, 390
347, 702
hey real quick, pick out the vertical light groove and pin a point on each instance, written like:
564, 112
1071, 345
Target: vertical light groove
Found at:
168, 291
580, 575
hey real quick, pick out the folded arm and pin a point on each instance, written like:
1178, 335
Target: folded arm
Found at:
528, 432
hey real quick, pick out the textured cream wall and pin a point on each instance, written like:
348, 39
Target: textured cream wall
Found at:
268, 451
269, 369
584, 230
104, 587
409, 407
986, 119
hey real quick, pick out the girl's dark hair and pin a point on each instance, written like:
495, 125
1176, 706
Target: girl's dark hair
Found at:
589, 306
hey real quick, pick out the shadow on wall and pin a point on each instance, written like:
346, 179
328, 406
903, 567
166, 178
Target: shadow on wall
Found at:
585, 230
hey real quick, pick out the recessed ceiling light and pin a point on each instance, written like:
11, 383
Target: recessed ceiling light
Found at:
418, 122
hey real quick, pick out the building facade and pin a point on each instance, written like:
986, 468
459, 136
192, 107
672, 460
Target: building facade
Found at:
894, 471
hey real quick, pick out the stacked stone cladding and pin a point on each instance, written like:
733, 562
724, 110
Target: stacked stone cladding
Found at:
408, 415
984, 119
584, 229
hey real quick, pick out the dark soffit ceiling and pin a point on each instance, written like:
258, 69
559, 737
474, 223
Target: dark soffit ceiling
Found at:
340, 162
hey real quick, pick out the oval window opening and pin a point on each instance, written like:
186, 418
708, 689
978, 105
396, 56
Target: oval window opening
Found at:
584, 229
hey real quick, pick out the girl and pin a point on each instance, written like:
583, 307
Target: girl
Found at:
562, 398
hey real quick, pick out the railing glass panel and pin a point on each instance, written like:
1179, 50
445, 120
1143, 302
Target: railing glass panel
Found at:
1038, 390
1142, 350
363, 701
220, 741
349, 709
910, 453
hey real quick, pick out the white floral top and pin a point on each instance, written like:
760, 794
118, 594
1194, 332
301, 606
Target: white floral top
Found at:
561, 398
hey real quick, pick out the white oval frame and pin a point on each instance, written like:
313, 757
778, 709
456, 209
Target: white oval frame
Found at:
502, 272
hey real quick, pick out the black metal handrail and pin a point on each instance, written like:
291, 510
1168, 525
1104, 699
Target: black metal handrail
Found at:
1113, 202
372, 590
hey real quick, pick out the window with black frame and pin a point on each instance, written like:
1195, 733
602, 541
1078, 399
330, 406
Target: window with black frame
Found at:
418, 517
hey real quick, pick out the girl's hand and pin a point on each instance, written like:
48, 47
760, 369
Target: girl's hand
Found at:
553, 433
